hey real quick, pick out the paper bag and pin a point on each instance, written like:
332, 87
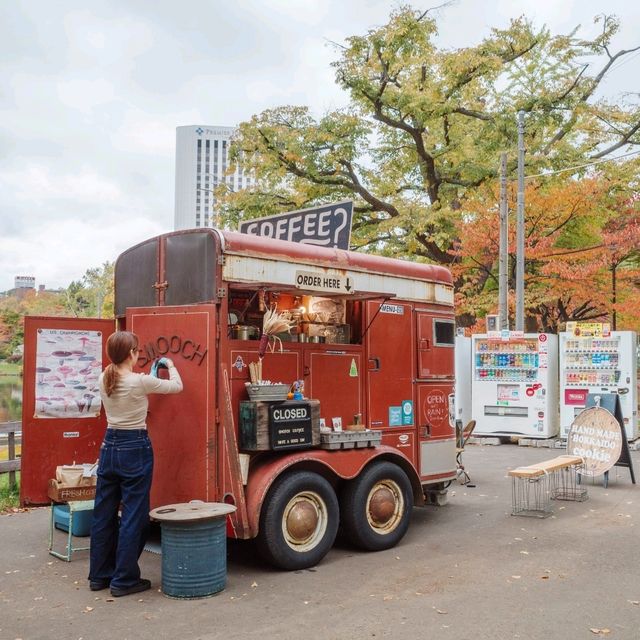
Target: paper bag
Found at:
77, 475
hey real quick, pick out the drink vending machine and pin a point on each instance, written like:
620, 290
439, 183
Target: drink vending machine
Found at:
596, 360
515, 384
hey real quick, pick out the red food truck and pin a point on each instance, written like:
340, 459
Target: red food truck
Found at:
372, 346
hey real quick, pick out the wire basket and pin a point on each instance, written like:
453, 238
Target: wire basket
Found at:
264, 392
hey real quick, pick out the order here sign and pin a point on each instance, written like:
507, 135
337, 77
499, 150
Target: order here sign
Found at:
327, 226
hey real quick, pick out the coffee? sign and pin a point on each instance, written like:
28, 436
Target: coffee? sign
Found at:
326, 226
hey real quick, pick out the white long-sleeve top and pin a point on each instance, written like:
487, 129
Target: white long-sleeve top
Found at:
127, 406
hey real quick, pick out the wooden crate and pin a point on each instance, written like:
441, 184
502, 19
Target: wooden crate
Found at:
258, 433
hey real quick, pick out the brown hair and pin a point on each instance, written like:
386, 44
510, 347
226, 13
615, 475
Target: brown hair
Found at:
119, 346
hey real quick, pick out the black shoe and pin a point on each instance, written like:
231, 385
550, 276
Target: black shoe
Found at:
98, 585
141, 585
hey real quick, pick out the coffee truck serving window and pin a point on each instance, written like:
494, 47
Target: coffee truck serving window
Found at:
316, 318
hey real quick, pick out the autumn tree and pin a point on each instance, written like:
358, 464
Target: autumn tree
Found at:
581, 246
425, 126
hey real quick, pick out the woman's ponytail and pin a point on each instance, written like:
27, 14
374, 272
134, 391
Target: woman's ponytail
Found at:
110, 379
119, 347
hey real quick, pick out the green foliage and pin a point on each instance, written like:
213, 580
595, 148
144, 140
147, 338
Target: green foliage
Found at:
9, 496
92, 296
425, 127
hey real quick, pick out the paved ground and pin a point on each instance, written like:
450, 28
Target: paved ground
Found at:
466, 571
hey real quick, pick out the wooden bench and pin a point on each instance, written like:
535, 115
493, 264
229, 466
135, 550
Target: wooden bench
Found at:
534, 486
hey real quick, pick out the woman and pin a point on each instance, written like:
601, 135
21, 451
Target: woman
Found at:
125, 468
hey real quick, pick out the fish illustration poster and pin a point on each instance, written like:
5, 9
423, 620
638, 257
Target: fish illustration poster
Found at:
68, 363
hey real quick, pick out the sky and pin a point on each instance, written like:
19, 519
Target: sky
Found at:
91, 92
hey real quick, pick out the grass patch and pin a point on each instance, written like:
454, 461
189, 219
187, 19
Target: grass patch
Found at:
10, 369
9, 496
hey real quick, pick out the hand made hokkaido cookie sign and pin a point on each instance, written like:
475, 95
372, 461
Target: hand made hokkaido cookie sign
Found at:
596, 437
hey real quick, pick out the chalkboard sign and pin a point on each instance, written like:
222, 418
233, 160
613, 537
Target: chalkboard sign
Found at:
328, 225
290, 425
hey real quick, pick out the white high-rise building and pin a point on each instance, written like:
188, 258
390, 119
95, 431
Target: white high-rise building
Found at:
202, 161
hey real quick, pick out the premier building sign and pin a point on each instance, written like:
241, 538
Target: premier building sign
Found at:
326, 226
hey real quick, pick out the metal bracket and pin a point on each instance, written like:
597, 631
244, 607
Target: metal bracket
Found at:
221, 292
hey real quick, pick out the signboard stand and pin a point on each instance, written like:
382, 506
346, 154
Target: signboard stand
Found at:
611, 402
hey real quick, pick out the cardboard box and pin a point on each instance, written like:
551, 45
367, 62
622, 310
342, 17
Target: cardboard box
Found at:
61, 493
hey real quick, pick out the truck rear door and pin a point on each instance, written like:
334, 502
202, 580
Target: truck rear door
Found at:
182, 426
62, 419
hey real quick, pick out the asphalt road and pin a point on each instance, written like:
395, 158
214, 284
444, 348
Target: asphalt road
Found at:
465, 571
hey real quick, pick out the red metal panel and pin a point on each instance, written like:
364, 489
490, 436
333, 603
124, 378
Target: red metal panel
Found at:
279, 366
182, 426
389, 342
433, 360
49, 442
336, 379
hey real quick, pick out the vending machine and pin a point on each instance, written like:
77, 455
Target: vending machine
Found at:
596, 360
515, 384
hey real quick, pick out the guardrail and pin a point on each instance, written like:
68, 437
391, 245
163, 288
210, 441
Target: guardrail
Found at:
11, 465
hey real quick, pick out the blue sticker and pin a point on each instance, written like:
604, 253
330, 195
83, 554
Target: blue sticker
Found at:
407, 412
395, 416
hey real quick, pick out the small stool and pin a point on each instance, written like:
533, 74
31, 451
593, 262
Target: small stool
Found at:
74, 506
194, 548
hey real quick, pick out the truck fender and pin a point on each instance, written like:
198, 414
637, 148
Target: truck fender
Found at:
331, 464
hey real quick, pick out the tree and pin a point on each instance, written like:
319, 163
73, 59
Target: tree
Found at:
92, 296
581, 241
425, 127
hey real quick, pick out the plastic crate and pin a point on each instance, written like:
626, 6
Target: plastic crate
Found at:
350, 439
81, 520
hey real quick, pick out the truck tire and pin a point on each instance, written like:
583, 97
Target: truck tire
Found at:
375, 507
299, 521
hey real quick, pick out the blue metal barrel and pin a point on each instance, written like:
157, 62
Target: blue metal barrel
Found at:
194, 548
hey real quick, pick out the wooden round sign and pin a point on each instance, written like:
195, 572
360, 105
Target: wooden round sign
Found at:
595, 436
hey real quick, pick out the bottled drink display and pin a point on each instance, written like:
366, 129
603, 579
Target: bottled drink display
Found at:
512, 361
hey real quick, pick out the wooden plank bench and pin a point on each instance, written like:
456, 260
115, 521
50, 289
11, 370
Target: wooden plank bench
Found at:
534, 486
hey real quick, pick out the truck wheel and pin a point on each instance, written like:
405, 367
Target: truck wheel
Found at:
376, 506
299, 521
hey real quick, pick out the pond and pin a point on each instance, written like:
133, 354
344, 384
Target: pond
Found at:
10, 398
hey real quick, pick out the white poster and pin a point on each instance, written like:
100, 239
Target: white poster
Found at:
68, 363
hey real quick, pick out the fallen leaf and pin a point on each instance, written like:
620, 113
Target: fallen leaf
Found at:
516, 577
87, 609
441, 611
110, 600
254, 585
634, 601
388, 598
544, 577
524, 553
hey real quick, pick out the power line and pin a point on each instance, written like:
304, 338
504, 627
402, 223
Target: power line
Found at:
582, 166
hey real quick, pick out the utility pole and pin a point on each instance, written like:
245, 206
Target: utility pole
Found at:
503, 277
520, 228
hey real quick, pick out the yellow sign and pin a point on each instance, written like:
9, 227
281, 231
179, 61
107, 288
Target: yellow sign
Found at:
589, 329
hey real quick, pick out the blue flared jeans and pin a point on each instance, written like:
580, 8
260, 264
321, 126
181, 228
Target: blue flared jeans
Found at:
124, 478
